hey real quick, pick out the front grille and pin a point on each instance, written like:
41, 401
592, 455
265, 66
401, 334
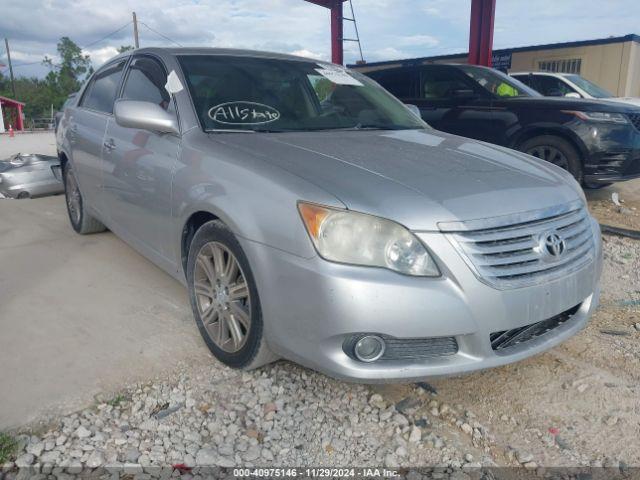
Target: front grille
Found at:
635, 119
511, 338
417, 348
409, 348
508, 254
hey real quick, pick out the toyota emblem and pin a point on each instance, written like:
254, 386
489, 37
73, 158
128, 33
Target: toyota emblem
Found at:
552, 245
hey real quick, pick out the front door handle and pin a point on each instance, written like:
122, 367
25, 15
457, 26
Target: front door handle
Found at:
73, 132
109, 145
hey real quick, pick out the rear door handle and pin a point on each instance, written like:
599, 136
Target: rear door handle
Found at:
109, 145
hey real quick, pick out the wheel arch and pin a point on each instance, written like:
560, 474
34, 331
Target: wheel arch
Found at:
194, 221
64, 159
540, 130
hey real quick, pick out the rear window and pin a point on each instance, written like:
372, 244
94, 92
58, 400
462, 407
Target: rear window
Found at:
102, 91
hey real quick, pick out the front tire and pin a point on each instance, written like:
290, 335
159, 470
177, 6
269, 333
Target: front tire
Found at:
555, 150
81, 221
224, 298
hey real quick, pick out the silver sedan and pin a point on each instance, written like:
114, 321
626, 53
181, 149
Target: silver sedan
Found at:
314, 217
29, 175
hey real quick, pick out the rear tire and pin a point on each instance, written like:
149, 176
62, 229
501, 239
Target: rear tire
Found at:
224, 298
554, 150
81, 221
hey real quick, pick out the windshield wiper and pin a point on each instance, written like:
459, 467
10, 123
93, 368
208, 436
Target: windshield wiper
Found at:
366, 126
229, 130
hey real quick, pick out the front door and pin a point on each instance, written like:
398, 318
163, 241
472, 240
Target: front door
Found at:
138, 166
450, 101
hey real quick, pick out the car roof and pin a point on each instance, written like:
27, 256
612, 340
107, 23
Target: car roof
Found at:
550, 74
236, 52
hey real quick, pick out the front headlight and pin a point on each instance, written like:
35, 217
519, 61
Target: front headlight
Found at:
344, 236
602, 117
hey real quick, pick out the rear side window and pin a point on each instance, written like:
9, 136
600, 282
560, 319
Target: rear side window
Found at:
401, 83
145, 82
101, 92
526, 79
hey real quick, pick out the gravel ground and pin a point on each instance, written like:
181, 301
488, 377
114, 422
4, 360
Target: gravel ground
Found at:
576, 405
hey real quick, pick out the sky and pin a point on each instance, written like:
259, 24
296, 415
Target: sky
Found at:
389, 29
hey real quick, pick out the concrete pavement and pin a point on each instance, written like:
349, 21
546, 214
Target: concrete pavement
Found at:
43, 143
80, 315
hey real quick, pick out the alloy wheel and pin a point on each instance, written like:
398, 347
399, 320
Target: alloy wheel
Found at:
222, 297
551, 155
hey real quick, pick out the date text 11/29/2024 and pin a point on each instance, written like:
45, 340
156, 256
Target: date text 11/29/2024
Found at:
315, 473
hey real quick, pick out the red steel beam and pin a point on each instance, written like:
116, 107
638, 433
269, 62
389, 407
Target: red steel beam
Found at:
337, 48
337, 44
481, 32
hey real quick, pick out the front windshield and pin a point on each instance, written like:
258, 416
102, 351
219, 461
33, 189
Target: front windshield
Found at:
497, 83
589, 87
263, 94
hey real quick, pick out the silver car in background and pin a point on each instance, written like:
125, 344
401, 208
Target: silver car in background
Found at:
26, 175
312, 216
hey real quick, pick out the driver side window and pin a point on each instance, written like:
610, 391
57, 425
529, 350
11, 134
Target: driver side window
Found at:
145, 82
552, 86
436, 84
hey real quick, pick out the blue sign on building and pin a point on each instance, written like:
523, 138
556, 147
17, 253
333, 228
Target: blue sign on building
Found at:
501, 61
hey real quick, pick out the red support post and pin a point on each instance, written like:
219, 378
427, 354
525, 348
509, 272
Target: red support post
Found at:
481, 32
335, 6
337, 49
19, 120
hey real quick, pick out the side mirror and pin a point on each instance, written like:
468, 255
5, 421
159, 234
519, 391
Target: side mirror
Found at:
144, 115
573, 95
414, 109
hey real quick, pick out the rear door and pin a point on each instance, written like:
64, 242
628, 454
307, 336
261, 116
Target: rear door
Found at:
138, 165
87, 126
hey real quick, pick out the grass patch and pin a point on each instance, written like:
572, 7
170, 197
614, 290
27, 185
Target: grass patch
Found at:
117, 400
8, 446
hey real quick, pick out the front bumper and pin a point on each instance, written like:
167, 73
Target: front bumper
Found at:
613, 154
310, 306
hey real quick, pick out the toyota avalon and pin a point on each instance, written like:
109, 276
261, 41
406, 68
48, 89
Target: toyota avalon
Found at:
314, 217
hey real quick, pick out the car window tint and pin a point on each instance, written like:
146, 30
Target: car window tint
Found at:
438, 83
102, 91
402, 84
145, 82
526, 79
552, 86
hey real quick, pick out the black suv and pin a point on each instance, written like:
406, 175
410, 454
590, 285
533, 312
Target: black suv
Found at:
597, 141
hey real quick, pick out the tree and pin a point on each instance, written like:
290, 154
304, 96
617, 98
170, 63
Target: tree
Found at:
67, 76
124, 48
64, 78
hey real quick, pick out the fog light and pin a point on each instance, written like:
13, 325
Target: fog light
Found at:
369, 348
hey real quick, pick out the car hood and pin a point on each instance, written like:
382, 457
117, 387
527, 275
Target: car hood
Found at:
566, 103
634, 101
415, 177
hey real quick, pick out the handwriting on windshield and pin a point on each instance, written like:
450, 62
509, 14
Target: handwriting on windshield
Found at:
243, 113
